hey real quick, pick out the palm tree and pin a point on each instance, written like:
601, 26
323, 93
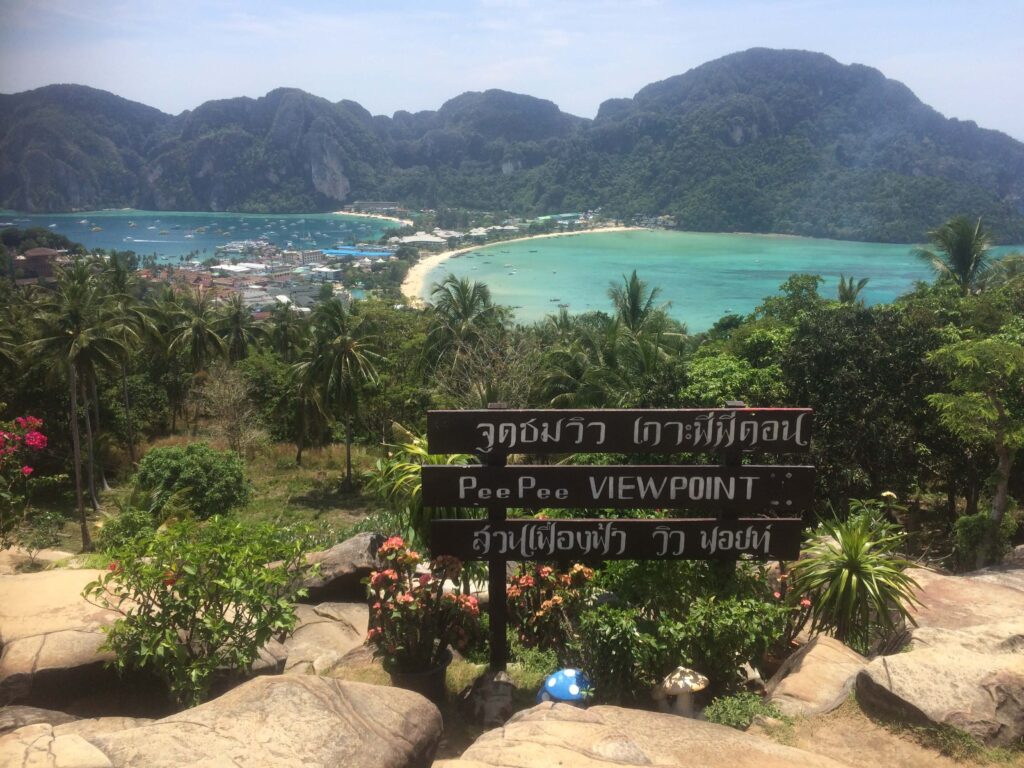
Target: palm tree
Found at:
462, 310
961, 252
76, 336
634, 304
238, 329
196, 331
288, 331
163, 313
340, 362
848, 291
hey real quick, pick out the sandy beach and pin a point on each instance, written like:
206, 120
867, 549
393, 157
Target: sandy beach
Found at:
415, 281
382, 217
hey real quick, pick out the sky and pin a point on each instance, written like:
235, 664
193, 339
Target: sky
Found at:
964, 59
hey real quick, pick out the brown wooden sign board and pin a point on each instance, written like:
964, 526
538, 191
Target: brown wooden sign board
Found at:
744, 489
780, 430
668, 539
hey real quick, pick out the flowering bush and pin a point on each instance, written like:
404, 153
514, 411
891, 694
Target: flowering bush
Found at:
412, 618
544, 605
199, 599
19, 440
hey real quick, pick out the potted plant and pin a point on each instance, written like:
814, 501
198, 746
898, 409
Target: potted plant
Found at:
414, 619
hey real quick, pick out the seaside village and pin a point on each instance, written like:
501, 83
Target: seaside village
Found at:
266, 274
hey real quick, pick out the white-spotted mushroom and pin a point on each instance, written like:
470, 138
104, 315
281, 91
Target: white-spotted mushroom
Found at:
675, 694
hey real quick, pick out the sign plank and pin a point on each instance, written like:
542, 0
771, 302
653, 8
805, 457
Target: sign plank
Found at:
670, 539
749, 489
786, 430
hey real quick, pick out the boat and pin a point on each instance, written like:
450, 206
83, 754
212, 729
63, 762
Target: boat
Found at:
150, 227
164, 232
97, 229
132, 224
52, 226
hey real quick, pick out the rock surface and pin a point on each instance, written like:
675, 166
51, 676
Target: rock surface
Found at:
38, 745
286, 722
342, 568
559, 734
982, 597
815, 679
14, 717
970, 678
323, 635
50, 637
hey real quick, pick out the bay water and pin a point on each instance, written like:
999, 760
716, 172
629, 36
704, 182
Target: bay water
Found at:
702, 275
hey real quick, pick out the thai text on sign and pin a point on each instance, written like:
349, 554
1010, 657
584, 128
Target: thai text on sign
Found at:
620, 431
618, 539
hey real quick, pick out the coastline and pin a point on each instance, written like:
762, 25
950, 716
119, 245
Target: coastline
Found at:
415, 281
381, 216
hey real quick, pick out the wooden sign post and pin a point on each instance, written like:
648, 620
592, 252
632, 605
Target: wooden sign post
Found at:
765, 494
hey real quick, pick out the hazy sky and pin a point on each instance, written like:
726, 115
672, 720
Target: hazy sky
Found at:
966, 59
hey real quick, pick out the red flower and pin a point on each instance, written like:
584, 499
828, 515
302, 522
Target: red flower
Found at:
777, 595
26, 471
805, 602
35, 440
114, 567
170, 579
391, 545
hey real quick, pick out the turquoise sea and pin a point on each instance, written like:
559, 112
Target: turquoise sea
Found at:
704, 276
172, 235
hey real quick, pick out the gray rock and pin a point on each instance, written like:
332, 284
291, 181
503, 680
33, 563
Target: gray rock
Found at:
323, 635
50, 638
342, 569
971, 679
14, 717
558, 734
953, 602
37, 745
489, 700
287, 721
815, 679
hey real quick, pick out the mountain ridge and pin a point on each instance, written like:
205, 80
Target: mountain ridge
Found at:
761, 140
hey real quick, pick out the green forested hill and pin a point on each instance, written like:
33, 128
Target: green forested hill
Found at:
763, 140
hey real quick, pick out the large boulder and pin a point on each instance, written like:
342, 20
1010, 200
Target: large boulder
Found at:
952, 602
562, 735
284, 721
342, 569
50, 638
14, 717
970, 678
38, 745
323, 635
815, 679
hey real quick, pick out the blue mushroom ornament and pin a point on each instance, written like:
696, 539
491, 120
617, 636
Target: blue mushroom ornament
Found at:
570, 686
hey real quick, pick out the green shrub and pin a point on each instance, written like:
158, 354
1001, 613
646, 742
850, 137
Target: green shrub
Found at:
970, 534
40, 531
197, 599
718, 635
213, 481
739, 710
697, 614
127, 526
622, 656
855, 582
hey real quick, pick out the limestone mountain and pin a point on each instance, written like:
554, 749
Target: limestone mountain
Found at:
763, 141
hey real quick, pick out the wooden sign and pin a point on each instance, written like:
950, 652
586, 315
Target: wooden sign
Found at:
728, 490
675, 539
781, 430
744, 489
